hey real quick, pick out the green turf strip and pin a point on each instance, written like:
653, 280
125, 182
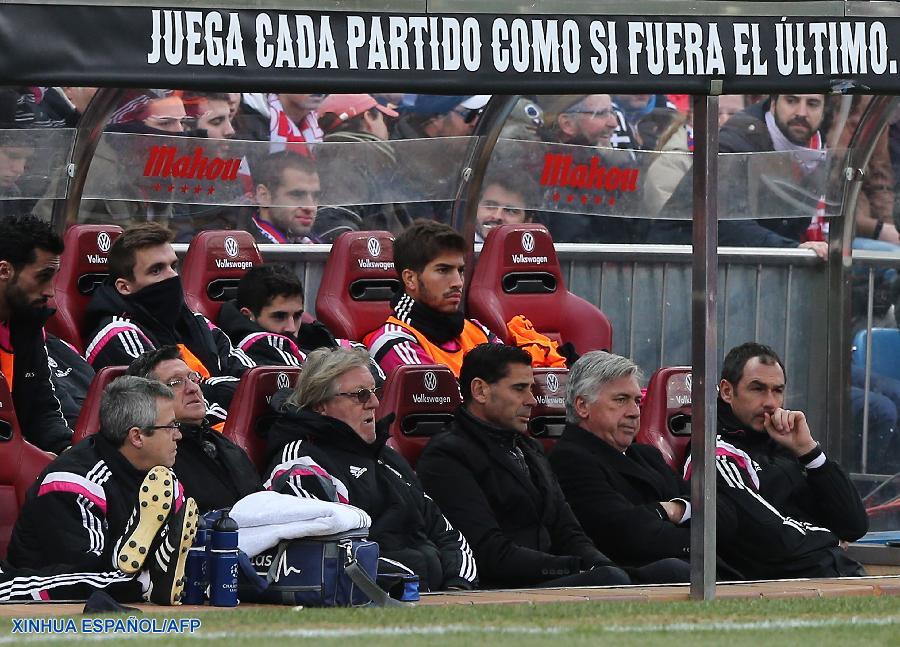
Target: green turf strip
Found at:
856, 621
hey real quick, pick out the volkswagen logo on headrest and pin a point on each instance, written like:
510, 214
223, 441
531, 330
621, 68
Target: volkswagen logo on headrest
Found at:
688, 381
430, 381
552, 383
528, 242
231, 247
282, 381
374, 247
103, 242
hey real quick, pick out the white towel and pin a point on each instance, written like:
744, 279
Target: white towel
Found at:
266, 518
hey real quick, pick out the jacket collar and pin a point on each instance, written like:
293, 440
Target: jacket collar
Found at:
497, 441
630, 462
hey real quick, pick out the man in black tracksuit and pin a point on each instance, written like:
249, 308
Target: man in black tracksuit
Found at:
82, 515
212, 469
264, 321
793, 505
141, 307
71, 376
325, 446
29, 259
496, 486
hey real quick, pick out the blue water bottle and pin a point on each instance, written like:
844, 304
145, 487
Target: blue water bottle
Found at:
223, 563
196, 573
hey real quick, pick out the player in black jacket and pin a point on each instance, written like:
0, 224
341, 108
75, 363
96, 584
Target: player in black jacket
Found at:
213, 470
264, 321
29, 259
142, 307
794, 505
108, 504
325, 446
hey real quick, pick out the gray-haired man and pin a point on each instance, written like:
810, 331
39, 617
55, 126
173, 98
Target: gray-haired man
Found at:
110, 506
624, 495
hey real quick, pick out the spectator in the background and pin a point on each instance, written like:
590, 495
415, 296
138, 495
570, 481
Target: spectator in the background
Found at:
287, 121
630, 111
209, 117
590, 122
15, 152
67, 104
729, 106
505, 199
587, 127
287, 195
144, 112
790, 124
358, 175
440, 116
210, 113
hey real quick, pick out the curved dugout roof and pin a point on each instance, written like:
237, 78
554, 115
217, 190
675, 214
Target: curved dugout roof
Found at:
565, 46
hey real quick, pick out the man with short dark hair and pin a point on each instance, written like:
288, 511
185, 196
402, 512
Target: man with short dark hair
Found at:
287, 195
505, 200
426, 326
794, 506
29, 260
111, 505
264, 320
141, 307
213, 470
494, 484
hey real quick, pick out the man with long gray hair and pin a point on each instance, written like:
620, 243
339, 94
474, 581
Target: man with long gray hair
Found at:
327, 445
626, 498
112, 506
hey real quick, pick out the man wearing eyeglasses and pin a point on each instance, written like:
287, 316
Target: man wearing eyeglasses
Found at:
504, 201
327, 445
590, 122
590, 214
287, 195
109, 513
213, 470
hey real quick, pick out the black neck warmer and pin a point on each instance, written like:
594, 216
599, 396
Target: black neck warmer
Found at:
437, 326
162, 301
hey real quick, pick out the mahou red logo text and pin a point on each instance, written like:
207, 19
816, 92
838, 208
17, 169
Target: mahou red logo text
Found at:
164, 161
559, 170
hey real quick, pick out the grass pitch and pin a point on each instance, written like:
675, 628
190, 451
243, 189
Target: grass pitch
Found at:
857, 621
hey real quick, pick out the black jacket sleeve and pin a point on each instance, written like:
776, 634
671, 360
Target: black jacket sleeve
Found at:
37, 406
835, 503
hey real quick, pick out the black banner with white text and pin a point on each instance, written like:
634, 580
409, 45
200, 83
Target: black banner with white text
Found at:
449, 54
